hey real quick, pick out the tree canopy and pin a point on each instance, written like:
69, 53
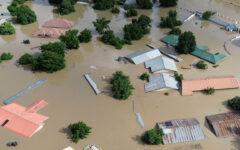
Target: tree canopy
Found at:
85, 36
79, 131
206, 15
131, 12
26, 59
186, 43
144, 76
6, 56
70, 39
57, 47
65, 7
13, 8
170, 21
101, 25
115, 10
153, 137
103, 4
176, 31
234, 103
6, 28
168, 3
25, 15
144, 4
201, 65
109, 38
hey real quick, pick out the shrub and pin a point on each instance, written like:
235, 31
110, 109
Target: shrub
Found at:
25, 15
103, 4
206, 15
121, 86
234, 103
85, 36
6, 28
20, 1
56, 2
153, 137
127, 7
13, 8
115, 10
144, 4
144, 76
70, 39
56, 47
175, 31
6, 56
26, 59
168, 3
186, 43
131, 12
179, 77
65, 7
170, 21
101, 25
201, 65
79, 131
166, 94
109, 38
208, 91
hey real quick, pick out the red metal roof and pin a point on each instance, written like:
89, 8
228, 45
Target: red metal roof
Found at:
222, 82
49, 32
22, 120
226, 124
59, 23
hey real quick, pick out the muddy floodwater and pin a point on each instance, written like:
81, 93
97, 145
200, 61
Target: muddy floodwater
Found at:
114, 125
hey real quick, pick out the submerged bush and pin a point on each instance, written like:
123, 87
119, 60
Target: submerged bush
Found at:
65, 7
144, 76
6, 28
115, 10
103, 4
79, 131
170, 21
25, 15
168, 3
85, 36
70, 39
131, 12
56, 47
153, 137
176, 31
234, 103
208, 91
26, 59
6, 56
13, 8
201, 65
144, 4
206, 15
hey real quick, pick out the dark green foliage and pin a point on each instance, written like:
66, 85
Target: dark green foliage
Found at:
6, 28
186, 43
70, 39
121, 86
153, 137
0, 61
49, 61
168, 3
170, 21
109, 38
56, 2
115, 10
56, 47
20, 1
144, 4
127, 7
175, 31
208, 91
121, 2
103, 4
166, 94
26, 59
13, 8
179, 77
131, 12
206, 15
25, 15
79, 131
65, 7
215, 66
234, 103
101, 25
85, 36
144, 22
201, 65
144, 76
6, 56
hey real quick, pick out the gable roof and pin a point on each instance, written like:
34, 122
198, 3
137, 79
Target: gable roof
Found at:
181, 130
212, 58
222, 82
161, 63
161, 81
143, 55
22, 120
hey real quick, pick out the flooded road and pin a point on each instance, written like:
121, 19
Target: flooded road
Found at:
114, 125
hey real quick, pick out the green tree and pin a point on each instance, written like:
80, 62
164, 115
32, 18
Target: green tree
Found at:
234, 103
186, 43
206, 15
26, 59
13, 8
109, 38
168, 3
121, 86
170, 21
101, 25
153, 137
79, 131
103, 4
49, 61
144, 4
208, 91
144, 22
56, 2
65, 7
131, 12
85, 36
144, 76
6, 28
201, 65
20, 1
25, 15
115, 10
6, 56
132, 31
179, 77
70, 39
56, 47
176, 31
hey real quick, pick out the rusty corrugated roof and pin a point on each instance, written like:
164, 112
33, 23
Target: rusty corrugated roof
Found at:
226, 124
181, 130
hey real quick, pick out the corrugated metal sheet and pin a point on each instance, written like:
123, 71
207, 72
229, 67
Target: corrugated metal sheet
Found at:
182, 130
161, 81
143, 55
161, 63
226, 124
92, 83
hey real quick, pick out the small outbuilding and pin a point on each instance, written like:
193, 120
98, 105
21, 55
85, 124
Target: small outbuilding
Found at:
59, 23
226, 124
181, 130
49, 33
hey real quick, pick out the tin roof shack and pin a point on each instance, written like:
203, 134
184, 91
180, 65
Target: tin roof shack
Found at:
23, 120
161, 64
217, 83
162, 81
226, 124
143, 55
181, 130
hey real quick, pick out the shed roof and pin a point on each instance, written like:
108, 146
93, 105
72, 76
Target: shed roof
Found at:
143, 55
181, 130
212, 58
58, 23
171, 39
222, 82
161, 81
49, 32
225, 124
161, 63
